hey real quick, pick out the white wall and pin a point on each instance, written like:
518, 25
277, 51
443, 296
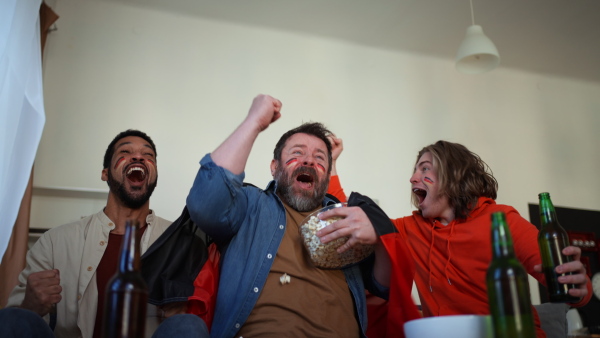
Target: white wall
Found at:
188, 83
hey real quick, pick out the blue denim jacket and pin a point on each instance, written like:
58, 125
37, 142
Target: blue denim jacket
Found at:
248, 224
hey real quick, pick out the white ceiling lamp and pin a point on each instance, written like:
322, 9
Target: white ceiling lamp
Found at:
477, 53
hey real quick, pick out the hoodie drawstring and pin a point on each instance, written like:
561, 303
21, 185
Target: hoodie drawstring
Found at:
449, 253
447, 249
430, 249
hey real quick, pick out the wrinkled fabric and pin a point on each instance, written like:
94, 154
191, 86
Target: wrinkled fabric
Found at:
248, 225
400, 307
75, 249
173, 261
178, 267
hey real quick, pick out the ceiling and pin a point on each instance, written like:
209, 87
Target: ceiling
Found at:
556, 37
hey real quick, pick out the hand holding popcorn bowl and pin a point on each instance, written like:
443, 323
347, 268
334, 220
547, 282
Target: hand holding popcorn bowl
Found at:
325, 256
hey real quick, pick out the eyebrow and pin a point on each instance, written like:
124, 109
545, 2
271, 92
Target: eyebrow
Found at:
303, 146
422, 163
127, 143
122, 144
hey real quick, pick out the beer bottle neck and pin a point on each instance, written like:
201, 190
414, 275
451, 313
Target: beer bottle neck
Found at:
502, 244
129, 259
547, 211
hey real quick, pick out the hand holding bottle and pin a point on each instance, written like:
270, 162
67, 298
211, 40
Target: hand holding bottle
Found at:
561, 264
575, 267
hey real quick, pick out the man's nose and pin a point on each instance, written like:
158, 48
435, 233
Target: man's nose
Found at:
137, 157
308, 161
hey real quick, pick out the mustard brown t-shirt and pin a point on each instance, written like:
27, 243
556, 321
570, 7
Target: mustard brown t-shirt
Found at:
315, 303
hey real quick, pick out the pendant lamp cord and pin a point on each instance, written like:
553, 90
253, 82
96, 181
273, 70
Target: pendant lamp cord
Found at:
472, 13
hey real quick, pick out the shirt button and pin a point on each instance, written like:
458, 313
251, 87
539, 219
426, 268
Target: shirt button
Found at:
281, 227
237, 325
111, 225
102, 242
78, 296
269, 256
255, 289
89, 268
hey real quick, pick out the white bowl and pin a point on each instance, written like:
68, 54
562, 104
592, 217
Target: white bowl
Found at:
455, 326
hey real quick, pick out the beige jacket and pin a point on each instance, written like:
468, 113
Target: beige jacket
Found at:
75, 249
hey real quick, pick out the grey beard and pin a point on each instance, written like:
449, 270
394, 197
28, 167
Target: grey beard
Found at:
303, 201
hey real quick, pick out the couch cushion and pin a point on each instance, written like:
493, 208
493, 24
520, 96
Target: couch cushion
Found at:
554, 319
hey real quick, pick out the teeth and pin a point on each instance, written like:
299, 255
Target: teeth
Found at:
135, 169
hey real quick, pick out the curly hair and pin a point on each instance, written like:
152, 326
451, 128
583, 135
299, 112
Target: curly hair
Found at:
463, 176
311, 128
110, 150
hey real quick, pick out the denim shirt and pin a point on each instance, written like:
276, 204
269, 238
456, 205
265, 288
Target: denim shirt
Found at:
248, 224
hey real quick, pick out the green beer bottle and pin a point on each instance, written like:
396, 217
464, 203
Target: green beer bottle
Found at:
552, 239
508, 286
126, 293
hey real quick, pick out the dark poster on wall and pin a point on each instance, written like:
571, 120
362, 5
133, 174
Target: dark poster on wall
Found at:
583, 227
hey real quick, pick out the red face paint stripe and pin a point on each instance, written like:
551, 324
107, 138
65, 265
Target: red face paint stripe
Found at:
428, 180
291, 160
154, 164
119, 161
321, 167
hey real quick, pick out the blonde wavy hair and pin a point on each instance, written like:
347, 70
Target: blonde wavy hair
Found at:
463, 176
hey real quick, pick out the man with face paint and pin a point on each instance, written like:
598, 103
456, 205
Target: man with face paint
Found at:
69, 266
449, 235
257, 231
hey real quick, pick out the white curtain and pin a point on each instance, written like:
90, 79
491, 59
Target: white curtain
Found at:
21, 105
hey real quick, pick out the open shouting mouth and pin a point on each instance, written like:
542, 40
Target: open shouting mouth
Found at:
420, 193
305, 180
136, 173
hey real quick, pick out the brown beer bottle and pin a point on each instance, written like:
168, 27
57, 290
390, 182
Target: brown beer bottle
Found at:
126, 292
552, 239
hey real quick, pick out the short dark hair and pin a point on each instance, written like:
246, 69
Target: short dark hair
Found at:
129, 132
311, 128
463, 176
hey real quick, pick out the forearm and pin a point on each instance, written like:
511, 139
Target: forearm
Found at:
382, 265
233, 153
371, 283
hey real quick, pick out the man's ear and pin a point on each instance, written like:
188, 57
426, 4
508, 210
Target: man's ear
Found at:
273, 167
104, 175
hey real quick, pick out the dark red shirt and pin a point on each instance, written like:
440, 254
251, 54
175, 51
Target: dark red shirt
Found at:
105, 271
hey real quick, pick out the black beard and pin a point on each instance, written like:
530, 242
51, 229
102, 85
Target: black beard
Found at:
301, 201
129, 200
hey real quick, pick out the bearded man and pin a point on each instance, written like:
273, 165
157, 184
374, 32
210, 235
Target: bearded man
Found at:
257, 233
69, 267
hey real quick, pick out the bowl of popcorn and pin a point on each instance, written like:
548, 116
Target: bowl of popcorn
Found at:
325, 256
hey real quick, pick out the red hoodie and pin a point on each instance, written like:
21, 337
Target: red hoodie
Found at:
451, 260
